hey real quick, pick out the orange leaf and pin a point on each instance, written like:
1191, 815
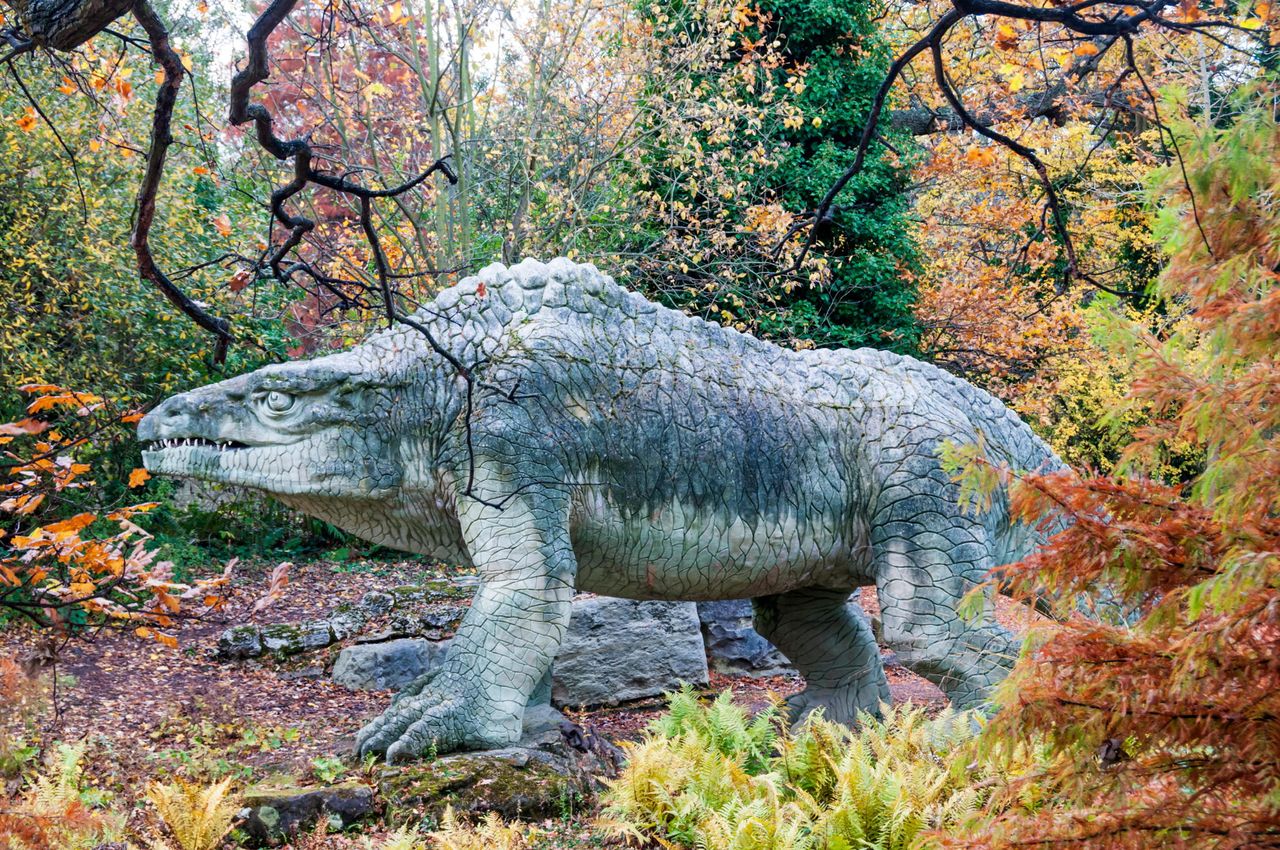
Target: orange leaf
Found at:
239, 280
67, 86
27, 122
1088, 48
168, 640
223, 224
201, 170
138, 477
71, 526
980, 156
143, 632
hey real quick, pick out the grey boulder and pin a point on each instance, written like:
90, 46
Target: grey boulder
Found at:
732, 643
615, 650
623, 649
386, 666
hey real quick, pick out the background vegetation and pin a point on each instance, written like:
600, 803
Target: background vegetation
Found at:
1084, 223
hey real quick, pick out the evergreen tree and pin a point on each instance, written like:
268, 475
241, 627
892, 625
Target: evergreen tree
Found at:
753, 116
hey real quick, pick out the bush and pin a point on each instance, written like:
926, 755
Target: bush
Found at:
198, 816
713, 777
59, 809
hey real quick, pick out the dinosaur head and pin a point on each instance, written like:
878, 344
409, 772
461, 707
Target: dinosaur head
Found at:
317, 429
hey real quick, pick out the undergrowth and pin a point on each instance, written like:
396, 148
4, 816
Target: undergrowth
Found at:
713, 777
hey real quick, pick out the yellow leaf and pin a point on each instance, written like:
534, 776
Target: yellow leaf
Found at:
143, 632
1251, 24
138, 477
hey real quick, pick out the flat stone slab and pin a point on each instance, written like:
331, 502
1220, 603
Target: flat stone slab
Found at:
550, 771
275, 813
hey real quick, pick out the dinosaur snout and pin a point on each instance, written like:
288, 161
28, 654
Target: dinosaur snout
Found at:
172, 418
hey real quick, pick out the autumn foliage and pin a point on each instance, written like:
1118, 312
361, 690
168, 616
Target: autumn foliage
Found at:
67, 568
1168, 730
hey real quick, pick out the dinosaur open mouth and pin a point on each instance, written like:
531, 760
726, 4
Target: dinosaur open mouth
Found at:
196, 442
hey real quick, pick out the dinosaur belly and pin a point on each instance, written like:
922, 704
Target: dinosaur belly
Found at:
677, 551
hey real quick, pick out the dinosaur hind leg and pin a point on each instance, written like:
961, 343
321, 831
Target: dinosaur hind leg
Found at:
831, 644
922, 572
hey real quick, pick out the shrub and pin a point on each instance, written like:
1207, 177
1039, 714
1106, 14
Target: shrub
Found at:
198, 816
59, 809
67, 568
710, 776
1168, 726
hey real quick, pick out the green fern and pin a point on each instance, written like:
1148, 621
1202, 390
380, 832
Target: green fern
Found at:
711, 777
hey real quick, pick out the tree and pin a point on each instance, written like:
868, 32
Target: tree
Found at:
1167, 729
754, 113
86, 571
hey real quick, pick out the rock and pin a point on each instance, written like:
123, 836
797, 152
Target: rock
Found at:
615, 650
431, 610
304, 673
347, 621
383, 666
243, 641
541, 777
274, 813
623, 649
377, 602
733, 645
283, 639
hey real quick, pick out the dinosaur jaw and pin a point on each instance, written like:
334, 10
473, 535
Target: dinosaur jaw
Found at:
306, 467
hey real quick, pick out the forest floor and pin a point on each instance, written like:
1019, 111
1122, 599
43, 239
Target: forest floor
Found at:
146, 711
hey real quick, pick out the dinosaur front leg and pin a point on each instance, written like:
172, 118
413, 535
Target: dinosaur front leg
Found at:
507, 640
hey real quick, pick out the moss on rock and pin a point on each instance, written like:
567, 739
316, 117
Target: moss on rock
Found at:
473, 784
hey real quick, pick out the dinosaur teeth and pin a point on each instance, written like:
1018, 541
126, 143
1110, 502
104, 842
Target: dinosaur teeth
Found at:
194, 442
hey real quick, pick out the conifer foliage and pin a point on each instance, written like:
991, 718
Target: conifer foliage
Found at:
1168, 730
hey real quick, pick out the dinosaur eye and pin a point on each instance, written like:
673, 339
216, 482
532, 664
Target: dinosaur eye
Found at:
278, 402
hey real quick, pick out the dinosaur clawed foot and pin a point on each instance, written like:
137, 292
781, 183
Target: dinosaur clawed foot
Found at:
439, 718
414, 726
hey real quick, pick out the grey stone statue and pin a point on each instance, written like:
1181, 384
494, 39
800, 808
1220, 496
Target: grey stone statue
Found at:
619, 447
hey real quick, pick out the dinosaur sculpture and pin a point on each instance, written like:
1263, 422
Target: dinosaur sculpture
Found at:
608, 444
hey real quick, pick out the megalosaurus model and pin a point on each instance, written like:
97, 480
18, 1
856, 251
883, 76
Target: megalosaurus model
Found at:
604, 443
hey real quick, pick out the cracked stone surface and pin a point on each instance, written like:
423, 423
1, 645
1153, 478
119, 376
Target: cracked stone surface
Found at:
621, 448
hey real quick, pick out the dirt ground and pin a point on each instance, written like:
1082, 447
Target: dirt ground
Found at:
148, 710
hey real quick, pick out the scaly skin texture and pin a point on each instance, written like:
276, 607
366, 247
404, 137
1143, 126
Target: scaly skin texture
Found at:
626, 449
